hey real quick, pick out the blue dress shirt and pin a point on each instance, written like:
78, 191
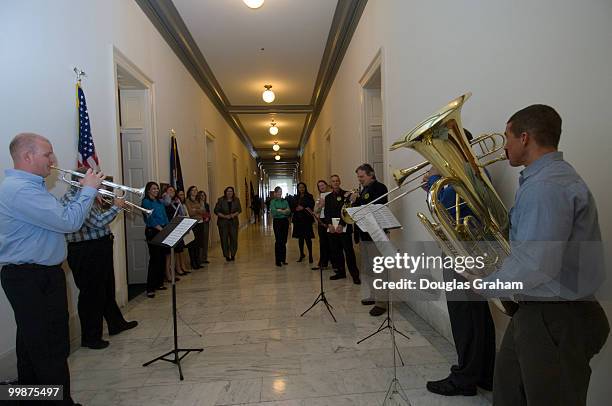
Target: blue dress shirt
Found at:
33, 222
554, 235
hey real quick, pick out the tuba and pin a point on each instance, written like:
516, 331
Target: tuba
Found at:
440, 139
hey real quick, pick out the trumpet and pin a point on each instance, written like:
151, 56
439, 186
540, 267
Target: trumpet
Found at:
108, 194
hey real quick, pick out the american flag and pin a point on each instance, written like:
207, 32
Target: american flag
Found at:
87, 150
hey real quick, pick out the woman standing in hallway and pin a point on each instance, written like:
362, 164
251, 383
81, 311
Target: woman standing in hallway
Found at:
279, 208
205, 207
228, 209
302, 207
195, 210
154, 222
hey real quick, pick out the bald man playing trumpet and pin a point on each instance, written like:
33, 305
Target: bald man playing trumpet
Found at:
32, 248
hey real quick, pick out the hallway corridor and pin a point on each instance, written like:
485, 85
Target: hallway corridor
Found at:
257, 349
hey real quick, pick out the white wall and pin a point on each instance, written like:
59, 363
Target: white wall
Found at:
510, 55
40, 42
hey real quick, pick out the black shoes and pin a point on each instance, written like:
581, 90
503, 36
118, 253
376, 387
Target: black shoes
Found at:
446, 387
279, 264
205, 262
227, 259
367, 302
232, 258
377, 311
95, 345
128, 325
151, 295
357, 281
337, 276
310, 261
302, 256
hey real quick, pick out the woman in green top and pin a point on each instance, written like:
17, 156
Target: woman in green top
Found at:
280, 210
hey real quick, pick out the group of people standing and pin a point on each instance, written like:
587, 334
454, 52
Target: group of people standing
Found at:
168, 203
335, 235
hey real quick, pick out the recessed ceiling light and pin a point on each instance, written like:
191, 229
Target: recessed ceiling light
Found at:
277, 157
253, 3
275, 147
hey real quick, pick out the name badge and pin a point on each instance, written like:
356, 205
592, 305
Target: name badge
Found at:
367, 196
338, 198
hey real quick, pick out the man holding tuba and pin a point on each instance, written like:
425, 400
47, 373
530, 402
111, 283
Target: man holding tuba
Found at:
558, 256
470, 318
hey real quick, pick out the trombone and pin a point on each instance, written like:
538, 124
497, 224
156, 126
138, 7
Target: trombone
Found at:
489, 143
108, 194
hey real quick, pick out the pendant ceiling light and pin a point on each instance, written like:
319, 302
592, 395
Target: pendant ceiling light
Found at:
268, 95
273, 128
275, 147
253, 3
277, 157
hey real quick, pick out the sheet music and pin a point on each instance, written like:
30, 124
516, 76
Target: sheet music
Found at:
381, 213
322, 197
369, 223
178, 231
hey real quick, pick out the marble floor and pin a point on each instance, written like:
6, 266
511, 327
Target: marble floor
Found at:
257, 349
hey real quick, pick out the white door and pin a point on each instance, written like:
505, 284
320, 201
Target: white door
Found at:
135, 173
374, 141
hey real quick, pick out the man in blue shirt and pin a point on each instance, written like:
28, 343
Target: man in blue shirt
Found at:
558, 256
32, 248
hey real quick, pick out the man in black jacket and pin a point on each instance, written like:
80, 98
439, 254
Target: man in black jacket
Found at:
340, 233
371, 189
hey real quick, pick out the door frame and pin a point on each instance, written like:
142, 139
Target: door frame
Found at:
377, 64
120, 60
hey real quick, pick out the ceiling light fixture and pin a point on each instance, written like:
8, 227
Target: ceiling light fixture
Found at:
275, 147
268, 95
273, 128
277, 157
253, 3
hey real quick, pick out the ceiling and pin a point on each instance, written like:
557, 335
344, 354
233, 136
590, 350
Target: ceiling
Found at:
233, 51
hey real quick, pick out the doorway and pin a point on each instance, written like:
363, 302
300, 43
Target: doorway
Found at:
212, 192
372, 130
135, 131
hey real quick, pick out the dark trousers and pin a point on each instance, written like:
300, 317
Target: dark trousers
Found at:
195, 246
228, 233
157, 261
545, 353
91, 263
473, 333
342, 249
323, 246
308, 241
281, 231
38, 297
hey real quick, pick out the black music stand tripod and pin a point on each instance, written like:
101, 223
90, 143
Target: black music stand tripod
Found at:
388, 324
321, 298
169, 237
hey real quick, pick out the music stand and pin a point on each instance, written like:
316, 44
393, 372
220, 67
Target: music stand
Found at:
375, 220
169, 237
321, 298
388, 324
